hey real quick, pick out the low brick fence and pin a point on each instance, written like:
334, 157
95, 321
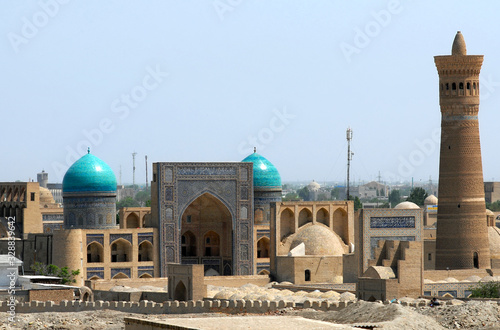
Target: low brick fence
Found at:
173, 307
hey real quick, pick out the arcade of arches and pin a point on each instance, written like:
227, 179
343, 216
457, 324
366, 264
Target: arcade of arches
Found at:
292, 217
206, 235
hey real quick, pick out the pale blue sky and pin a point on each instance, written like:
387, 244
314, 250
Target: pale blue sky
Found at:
212, 78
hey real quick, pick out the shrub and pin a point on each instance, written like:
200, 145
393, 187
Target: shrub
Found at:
486, 290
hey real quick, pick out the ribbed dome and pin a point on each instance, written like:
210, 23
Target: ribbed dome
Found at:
265, 175
89, 174
407, 205
313, 186
431, 200
319, 241
46, 196
494, 241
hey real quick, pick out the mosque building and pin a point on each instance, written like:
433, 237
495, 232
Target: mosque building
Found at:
91, 240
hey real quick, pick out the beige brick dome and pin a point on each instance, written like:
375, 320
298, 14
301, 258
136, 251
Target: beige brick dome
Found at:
431, 200
407, 205
319, 240
494, 239
46, 196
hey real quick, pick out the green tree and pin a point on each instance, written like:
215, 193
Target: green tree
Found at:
417, 196
357, 202
495, 206
143, 196
323, 197
66, 275
127, 202
395, 197
335, 193
304, 193
486, 290
291, 196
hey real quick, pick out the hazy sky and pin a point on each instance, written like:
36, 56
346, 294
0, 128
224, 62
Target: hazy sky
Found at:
207, 80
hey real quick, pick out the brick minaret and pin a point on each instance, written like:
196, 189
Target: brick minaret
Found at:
462, 236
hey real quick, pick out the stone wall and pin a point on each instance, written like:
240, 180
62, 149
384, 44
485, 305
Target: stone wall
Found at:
237, 281
138, 296
51, 295
436, 275
130, 282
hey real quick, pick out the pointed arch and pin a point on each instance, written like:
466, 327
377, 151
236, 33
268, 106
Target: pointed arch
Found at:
208, 193
180, 292
211, 244
121, 251
207, 226
145, 251
188, 244
264, 272
340, 224
305, 217
146, 275
95, 252
263, 247
323, 216
287, 223
119, 276
132, 221
259, 215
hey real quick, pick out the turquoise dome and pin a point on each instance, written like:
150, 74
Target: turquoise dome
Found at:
265, 175
89, 174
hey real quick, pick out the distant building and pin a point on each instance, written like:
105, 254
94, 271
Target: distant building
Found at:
55, 188
372, 190
491, 192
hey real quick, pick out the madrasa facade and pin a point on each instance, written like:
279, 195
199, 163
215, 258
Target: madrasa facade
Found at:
215, 214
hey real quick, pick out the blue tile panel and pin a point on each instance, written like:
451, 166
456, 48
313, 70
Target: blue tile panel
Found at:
115, 271
392, 222
369, 235
89, 174
264, 173
95, 271
456, 289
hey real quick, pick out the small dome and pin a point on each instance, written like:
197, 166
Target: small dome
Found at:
490, 213
313, 186
379, 272
319, 240
46, 196
431, 200
265, 175
407, 205
89, 174
494, 239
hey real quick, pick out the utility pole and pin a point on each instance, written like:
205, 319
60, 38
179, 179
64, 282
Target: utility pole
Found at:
349, 156
146, 172
133, 168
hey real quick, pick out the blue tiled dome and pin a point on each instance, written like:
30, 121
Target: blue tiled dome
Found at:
265, 175
89, 174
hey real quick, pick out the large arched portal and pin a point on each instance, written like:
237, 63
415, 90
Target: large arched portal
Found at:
206, 232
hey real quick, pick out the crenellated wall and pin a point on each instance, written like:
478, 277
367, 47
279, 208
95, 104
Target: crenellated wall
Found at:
172, 307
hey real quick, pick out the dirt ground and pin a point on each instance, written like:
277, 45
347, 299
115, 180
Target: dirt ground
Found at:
470, 315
